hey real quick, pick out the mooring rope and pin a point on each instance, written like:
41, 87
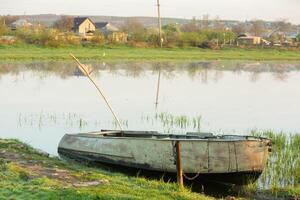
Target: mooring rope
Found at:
191, 178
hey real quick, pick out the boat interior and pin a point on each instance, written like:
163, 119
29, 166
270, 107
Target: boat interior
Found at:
157, 135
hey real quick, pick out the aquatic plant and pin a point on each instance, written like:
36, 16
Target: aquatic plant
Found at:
71, 120
174, 123
282, 169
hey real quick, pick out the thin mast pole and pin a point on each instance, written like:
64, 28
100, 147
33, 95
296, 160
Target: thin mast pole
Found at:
159, 24
86, 73
158, 85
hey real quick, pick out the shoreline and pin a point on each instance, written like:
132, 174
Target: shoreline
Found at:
35, 175
34, 53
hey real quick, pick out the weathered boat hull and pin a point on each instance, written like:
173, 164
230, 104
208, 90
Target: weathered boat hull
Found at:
232, 159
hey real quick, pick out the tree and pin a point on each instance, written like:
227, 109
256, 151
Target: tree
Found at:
282, 26
135, 29
239, 28
10, 19
257, 27
205, 21
170, 29
192, 26
65, 23
133, 26
3, 27
218, 24
171, 34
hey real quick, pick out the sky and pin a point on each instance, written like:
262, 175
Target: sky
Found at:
224, 9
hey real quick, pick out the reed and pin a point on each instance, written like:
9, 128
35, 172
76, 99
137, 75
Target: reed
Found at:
283, 167
181, 122
43, 120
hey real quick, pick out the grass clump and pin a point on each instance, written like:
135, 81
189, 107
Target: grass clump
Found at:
281, 175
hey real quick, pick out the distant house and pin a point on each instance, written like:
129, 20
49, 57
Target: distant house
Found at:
111, 32
83, 26
106, 28
245, 39
20, 23
293, 36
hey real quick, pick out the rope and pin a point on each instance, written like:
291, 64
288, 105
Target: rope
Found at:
191, 178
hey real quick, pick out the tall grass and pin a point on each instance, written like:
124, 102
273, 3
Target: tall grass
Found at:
283, 167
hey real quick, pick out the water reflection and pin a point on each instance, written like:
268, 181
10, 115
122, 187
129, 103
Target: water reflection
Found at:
205, 70
229, 97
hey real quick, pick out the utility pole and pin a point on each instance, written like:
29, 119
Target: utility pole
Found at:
159, 24
161, 45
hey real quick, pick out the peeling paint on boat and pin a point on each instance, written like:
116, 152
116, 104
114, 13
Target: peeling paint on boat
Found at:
213, 154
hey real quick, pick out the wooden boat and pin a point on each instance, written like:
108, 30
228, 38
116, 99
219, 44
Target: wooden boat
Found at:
226, 158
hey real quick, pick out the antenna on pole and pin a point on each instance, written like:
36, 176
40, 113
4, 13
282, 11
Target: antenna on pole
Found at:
159, 24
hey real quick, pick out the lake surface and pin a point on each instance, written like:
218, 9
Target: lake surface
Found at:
41, 101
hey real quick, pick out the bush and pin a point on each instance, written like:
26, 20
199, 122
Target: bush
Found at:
209, 45
171, 35
47, 37
71, 38
153, 40
65, 23
3, 164
98, 39
193, 39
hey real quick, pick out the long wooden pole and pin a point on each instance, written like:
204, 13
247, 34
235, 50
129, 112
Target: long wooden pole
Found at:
179, 164
86, 73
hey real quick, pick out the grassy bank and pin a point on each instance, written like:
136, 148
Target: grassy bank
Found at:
31, 52
28, 174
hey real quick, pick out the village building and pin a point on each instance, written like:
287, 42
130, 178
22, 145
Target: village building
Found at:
83, 26
20, 23
106, 28
111, 32
86, 27
245, 39
293, 36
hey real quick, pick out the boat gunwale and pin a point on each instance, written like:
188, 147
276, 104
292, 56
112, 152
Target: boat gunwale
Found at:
215, 138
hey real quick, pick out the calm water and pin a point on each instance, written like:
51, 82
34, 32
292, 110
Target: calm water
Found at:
40, 102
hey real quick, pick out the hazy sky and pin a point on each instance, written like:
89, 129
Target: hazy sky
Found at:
225, 9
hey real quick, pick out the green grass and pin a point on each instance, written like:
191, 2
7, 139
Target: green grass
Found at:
281, 176
26, 174
31, 52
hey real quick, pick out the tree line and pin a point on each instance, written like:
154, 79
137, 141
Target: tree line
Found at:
203, 33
